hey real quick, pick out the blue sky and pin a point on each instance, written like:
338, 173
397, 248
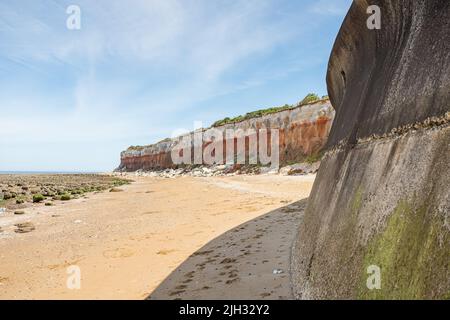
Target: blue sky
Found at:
138, 70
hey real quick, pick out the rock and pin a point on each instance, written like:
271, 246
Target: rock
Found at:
65, 197
24, 227
300, 169
38, 198
206, 170
19, 212
285, 170
268, 170
264, 170
220, 167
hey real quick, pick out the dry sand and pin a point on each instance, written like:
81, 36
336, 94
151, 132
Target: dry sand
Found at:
195, 238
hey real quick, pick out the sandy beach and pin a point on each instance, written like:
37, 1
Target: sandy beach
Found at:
198, 238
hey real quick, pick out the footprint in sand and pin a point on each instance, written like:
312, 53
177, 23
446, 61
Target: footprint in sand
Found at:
3, 280
118, 253
231, 281
150, 212
202, 253
165, 252
227, 260
181, 287
174, 293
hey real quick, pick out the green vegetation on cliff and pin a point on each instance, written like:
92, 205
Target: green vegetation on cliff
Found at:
310, 98
413, 253
251, 115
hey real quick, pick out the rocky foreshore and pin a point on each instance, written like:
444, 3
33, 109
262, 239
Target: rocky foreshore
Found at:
226, 170
17, 191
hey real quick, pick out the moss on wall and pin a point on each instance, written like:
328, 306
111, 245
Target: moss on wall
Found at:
413, 253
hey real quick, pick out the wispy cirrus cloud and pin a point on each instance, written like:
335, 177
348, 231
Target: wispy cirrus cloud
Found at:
137, 69
330, 7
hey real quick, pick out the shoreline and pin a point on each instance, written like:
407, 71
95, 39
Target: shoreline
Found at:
127, 243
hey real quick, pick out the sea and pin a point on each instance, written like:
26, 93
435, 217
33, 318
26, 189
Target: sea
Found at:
48, 172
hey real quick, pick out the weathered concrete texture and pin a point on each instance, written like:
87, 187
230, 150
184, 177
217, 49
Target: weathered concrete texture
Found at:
383, 201
382, 79
303, 131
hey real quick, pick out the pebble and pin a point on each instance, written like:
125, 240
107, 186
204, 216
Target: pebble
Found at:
24, 227
228, 170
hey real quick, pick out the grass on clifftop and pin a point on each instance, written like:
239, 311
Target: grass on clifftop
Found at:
310, 98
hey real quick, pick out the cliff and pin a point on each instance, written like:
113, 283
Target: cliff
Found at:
303, 131
381, 197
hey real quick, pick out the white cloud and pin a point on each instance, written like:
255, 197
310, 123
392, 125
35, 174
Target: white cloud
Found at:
198, 42
330, 7
201, 38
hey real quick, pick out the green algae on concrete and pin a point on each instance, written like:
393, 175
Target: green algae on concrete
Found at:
413, 253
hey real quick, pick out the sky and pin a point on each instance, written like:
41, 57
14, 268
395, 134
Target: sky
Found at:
138, 70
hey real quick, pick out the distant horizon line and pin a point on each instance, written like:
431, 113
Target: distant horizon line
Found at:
48, 172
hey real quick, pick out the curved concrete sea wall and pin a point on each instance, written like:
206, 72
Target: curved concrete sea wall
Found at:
303, 131
382, 195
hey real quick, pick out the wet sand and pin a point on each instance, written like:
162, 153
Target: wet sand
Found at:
196, 238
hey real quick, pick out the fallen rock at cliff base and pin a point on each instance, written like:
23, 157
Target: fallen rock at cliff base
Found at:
300, 169
303, 131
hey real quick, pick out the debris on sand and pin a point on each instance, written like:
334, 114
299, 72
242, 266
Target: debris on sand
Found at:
24, 227
277, 271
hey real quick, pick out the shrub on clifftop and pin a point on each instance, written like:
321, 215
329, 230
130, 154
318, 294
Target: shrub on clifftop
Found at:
310, 97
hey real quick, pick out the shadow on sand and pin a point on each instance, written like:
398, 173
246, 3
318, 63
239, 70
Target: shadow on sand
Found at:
251, 261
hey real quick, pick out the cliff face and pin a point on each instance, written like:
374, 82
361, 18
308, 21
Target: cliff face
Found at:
381, 197
303, 131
